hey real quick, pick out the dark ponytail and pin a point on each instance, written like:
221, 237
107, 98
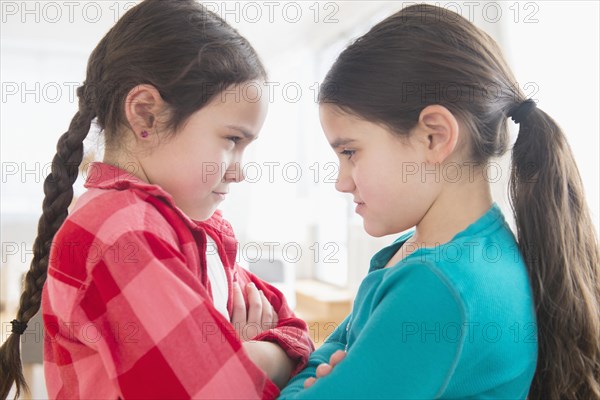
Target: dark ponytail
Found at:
559, 242
426, 55
190, 55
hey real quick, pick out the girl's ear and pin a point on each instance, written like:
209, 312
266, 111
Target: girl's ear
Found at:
143, 104
438, 131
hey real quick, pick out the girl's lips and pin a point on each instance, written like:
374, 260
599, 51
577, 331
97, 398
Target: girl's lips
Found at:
220, 195
359, 207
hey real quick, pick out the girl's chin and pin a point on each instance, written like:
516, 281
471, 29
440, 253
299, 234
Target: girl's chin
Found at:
201, 214
373, 229
378, 230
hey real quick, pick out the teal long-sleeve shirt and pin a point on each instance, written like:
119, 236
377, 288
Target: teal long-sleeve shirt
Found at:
453, 321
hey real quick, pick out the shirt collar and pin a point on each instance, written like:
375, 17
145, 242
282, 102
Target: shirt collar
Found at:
106, 176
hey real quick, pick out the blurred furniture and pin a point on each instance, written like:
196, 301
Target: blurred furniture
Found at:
322, 306
278, 273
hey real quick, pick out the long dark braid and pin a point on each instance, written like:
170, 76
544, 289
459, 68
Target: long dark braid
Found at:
58, 189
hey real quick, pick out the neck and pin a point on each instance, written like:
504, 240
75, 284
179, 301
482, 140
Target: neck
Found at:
129, 164
458, 205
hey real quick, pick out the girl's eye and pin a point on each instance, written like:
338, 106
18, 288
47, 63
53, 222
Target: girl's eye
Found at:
348, 153
234, 139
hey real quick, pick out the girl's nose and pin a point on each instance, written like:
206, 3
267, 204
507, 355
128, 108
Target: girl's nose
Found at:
344, 183
235, 173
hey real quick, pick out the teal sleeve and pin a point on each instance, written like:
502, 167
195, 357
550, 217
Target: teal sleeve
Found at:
336, 341
400, 351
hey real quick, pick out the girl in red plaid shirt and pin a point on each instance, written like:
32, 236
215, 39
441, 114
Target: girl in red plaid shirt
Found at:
132, 306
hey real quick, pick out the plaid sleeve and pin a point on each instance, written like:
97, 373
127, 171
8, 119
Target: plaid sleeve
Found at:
160, 335
291, 333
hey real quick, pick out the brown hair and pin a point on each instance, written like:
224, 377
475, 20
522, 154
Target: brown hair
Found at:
189, 54
426, 55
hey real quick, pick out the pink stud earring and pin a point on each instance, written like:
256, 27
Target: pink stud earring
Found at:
144, 134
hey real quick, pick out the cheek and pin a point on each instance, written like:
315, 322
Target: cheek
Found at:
208, 172
392, 182
194, 178
382, 175
207, 168
418, 195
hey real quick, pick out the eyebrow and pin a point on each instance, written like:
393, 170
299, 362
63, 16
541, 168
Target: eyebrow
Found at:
341, 142
246, 133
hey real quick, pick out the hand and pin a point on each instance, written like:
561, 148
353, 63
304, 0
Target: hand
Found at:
259, 317
325, 369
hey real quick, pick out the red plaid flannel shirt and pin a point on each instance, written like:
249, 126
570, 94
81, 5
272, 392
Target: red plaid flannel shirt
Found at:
127, 304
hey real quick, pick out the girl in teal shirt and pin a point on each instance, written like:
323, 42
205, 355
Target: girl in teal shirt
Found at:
458, 307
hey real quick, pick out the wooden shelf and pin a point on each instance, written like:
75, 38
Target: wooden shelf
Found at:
322, 306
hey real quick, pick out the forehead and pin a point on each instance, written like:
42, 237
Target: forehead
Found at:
342, 128
339, 123
240, 105
335, 121
329, 110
